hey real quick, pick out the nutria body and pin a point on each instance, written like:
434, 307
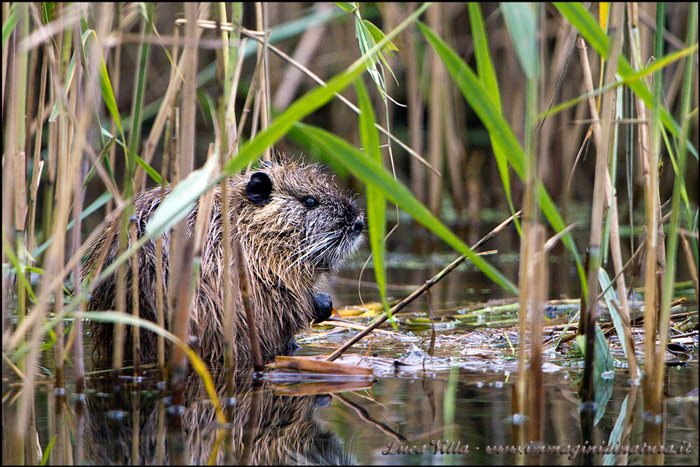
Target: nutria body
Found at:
293, 224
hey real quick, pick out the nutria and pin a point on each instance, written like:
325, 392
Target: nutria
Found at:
293, 224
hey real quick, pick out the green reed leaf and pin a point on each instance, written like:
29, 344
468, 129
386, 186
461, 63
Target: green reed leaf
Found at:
9, 25
370, 172
347, 6
182, 198
522, 27
490, 114
487, 76
376, 203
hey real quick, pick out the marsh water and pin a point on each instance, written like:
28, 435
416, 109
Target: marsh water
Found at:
452, 408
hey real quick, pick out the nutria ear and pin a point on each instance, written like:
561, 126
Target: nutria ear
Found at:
259, 188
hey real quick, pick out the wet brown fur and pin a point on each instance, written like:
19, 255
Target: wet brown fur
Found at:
275, 239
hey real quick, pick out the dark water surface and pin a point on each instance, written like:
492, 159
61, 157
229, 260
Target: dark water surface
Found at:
455, 408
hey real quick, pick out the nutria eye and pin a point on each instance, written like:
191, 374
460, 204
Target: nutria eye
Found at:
309, 201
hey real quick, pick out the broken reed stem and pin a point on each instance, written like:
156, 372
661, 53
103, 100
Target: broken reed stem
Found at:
418, 292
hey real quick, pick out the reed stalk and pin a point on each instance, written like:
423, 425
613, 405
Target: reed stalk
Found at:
654, 268
415, 114
603, 148
436, 113
264, 74
135, 309
182, 258
78, 346
13, 153
614, 238
228, 59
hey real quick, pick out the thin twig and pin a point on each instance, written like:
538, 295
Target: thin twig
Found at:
418, 292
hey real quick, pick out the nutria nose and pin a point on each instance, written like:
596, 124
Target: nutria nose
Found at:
358, 226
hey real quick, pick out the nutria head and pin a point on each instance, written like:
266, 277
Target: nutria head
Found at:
295, 223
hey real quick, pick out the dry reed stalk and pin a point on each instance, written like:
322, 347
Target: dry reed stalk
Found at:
232, 63
415, 113
79, 357
16, 436
241, 266
531, 242
135, 311
181, 300
160, 306
263, 87
37, 161
538, 285
115, 76
614, 239
603, 147
649, 162
436, 113
181, 276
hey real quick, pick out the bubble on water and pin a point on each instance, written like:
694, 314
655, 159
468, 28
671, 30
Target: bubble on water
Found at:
518, 419
116, 415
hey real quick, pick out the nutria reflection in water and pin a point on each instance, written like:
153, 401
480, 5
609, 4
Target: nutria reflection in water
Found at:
286, 429
293, 225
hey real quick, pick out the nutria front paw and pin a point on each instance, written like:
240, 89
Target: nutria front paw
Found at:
323, 307
292, 347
